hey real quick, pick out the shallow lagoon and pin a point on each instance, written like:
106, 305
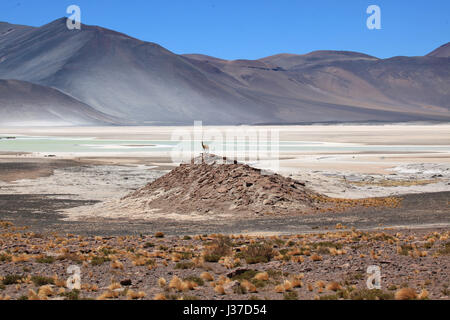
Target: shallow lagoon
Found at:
92, 145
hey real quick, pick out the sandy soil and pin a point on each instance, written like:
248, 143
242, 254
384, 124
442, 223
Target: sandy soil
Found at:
45, 213
12, 170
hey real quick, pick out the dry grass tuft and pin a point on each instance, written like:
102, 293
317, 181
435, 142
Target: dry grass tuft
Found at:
219, 289
117, 265
424, 294
223, 280
114, 286
32, 295
248, 286
296, 283
320, 284
191, 285
175, 283
280, 288
221, 247
316, 257
262, 276
162, 282
333, 286
207, 276
45, 291
108, 295
288, 285
59, 282
132, 295
405, 294
183, 286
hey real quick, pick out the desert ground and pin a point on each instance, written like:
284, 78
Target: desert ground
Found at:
413, 264
57, 209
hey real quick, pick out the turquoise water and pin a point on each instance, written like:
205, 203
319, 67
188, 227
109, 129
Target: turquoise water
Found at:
86, 145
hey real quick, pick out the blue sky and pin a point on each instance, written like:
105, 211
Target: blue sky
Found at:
250, 29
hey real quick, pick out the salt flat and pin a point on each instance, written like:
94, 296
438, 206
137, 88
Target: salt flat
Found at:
390, 134
343, 161
338, 160
352, 148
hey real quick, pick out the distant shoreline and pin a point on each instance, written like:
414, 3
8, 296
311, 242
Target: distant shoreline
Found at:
187, 124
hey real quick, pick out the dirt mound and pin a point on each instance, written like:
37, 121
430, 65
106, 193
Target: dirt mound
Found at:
216, 189
225, 188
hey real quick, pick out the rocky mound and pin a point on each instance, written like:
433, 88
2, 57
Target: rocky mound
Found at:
218, 189
224, 188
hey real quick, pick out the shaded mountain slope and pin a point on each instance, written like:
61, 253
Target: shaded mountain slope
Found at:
143, 83
24, 103
441, 52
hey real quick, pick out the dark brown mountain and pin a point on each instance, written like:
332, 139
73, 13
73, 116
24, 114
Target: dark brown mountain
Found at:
143, 83
441, 52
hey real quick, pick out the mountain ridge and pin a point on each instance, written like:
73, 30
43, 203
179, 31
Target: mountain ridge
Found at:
441, 52
144, 83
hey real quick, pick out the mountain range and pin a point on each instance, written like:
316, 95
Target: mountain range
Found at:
96, 76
